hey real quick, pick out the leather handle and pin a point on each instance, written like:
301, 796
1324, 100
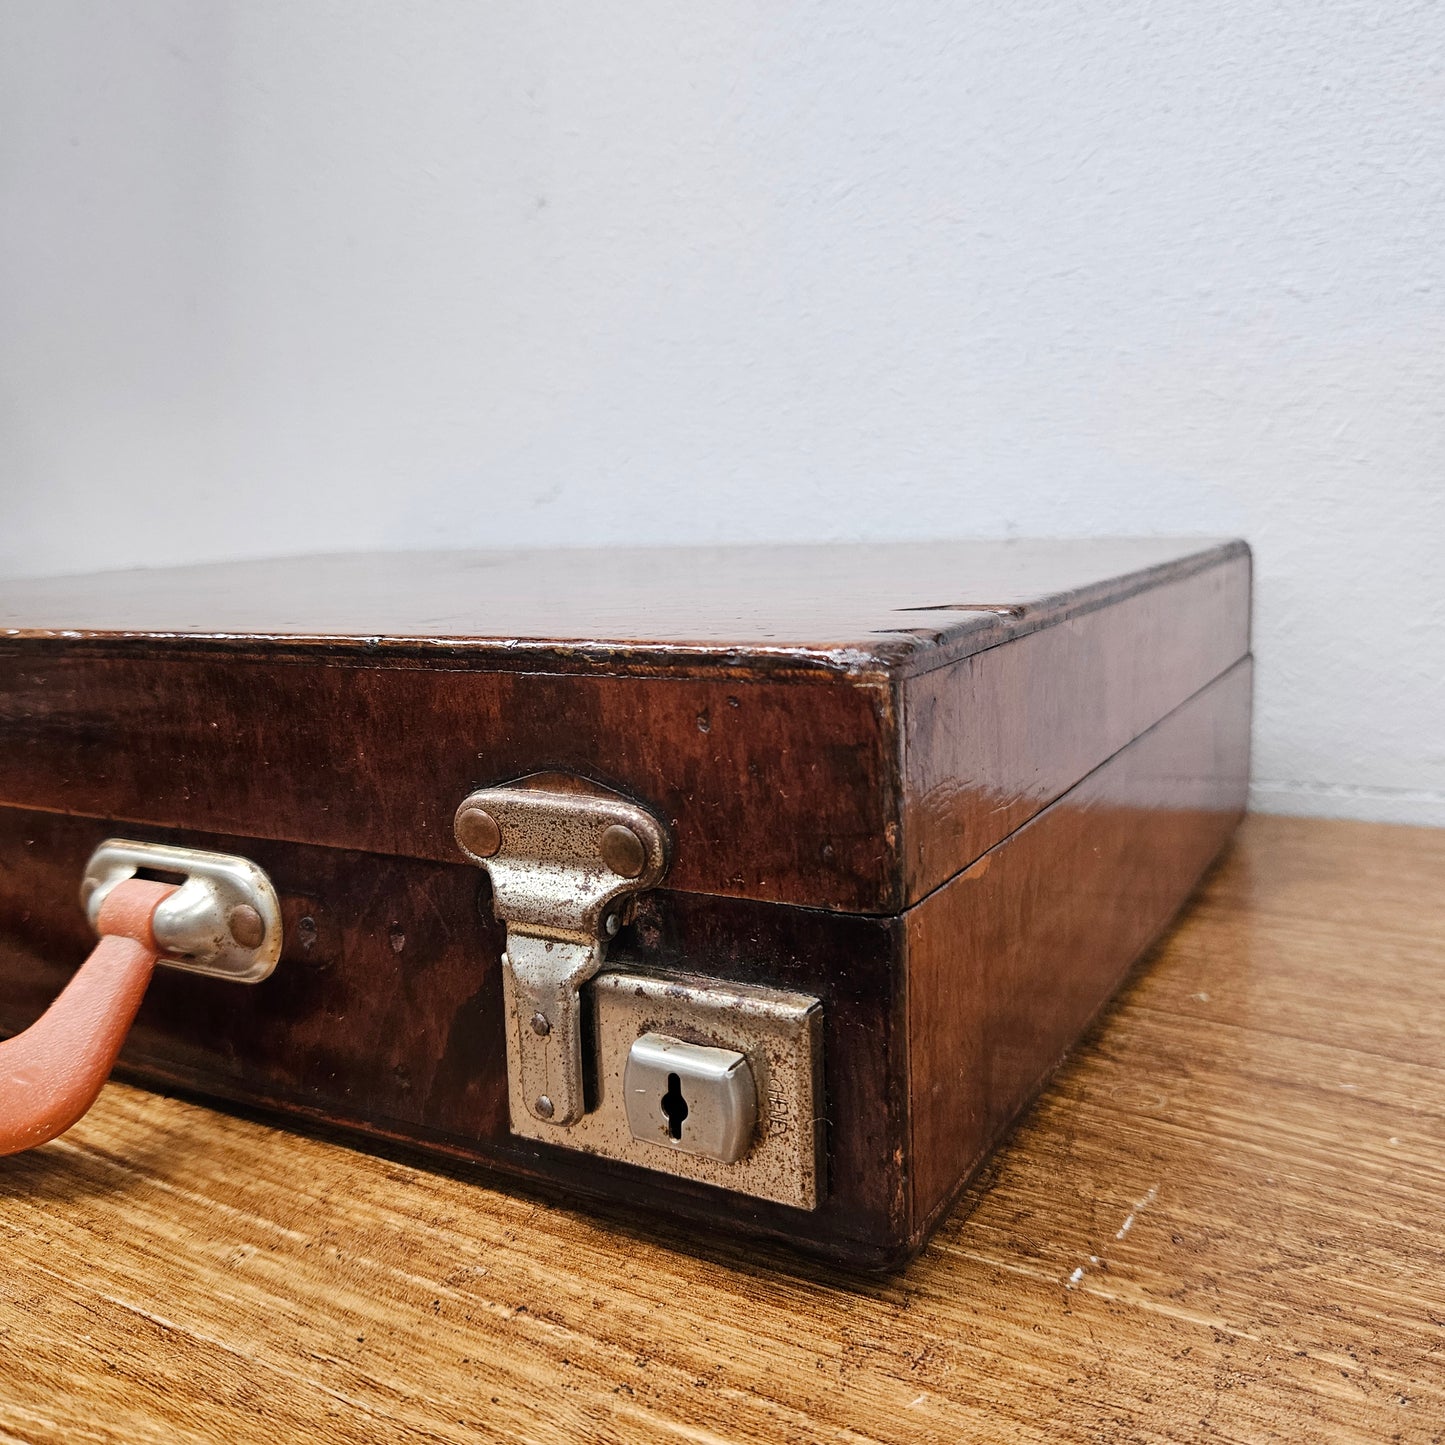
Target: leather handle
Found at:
50, 1074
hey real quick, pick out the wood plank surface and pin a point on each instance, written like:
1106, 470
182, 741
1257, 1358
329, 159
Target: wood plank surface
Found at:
1222, 1221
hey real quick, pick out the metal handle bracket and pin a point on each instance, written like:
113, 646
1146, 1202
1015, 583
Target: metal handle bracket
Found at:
224, 920
211, 914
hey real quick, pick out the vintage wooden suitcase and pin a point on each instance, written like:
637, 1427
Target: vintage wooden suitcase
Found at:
756, 887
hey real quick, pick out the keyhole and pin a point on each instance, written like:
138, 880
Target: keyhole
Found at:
674, 1106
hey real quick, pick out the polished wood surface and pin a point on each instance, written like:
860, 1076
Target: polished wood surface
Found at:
855, 791
773, 790
991, 738
1009, 963
385, 1013
893, 605
818, 792
1220, 1222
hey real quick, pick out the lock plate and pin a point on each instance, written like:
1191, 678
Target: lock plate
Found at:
562, 855
780, 1035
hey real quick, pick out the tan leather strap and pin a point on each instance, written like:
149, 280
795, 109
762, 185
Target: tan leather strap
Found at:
50, 1074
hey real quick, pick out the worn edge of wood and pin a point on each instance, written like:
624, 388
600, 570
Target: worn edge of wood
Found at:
899, 654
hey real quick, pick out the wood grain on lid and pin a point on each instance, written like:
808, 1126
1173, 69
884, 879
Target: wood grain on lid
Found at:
898, 607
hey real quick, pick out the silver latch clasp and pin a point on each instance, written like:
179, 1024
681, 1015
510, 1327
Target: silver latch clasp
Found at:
561, 853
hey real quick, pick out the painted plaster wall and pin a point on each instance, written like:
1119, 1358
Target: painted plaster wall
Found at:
280, 278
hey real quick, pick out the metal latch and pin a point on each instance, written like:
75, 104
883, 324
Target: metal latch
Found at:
561, 853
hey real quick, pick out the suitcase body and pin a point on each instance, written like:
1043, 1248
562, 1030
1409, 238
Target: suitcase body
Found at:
894, 823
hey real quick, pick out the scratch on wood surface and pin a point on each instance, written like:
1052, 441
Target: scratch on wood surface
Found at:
1139, 1207
653, 1421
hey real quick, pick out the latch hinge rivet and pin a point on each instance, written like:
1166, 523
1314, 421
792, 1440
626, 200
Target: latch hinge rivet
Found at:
478, 833
622, 851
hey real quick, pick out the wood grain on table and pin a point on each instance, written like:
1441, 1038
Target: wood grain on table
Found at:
1222, 1221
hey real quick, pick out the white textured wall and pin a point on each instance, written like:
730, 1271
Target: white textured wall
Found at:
280, 277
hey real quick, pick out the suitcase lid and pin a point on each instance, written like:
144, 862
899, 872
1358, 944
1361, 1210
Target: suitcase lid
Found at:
816, 725
888, 609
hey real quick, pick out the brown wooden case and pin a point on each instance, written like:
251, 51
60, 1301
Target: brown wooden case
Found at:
952, 791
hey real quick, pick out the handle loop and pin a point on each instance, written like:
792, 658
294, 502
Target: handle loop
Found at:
51, 1073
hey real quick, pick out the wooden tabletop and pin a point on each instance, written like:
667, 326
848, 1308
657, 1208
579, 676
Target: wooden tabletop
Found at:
1222, 1221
